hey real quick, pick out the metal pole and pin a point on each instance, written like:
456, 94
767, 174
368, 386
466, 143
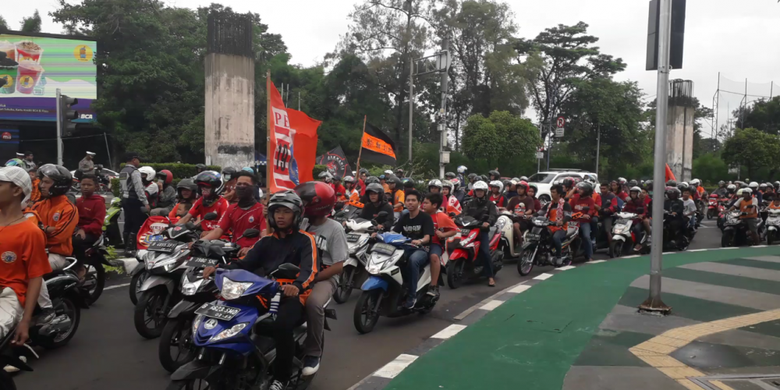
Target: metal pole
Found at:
744, 108
549, 139
771, 89
299, 101
445, 46
108, 151
539, 160
59, 128
411, 105
598, 146
653, 302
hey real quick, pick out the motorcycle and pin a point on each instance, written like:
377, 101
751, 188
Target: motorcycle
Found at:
67, 302
347, 211
95, 278
623, 238
195, 291
233, 351
111, 224
383, 291
464, 262
735, 231
510, 247
358, 234
538, 244
9, 358
772, 225
714, 207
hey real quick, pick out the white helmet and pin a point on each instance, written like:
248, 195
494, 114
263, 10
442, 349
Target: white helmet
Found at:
497, 183
622, 180
462, 169
148, 171
635, 189
389, 172
435, 183
480, 185
745, 191
753, 185
326, 176
741, 190
695, 182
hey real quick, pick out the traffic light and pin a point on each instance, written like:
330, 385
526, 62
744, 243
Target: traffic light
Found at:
67, 114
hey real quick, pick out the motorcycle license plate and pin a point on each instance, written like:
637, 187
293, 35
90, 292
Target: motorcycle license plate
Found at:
623, 222
202, 262
353, 237
384, 249
163, 246
620, 226
533, 237
224, 313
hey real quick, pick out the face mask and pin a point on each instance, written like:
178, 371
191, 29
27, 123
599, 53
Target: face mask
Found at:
244, 192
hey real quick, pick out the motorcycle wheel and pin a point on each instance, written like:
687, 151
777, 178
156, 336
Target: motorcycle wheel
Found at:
177, 334
770, 238
69, 308
617, 248
455, 273
94, 282
135, 283
344, 288
709, 214
6, 381
725, 239
526, 263
364, 317
150, 311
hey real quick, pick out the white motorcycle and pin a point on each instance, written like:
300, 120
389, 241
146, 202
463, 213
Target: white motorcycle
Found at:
358, 234
772, 225
511, 249
623, 240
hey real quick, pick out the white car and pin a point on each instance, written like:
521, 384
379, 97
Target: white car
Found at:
545, 180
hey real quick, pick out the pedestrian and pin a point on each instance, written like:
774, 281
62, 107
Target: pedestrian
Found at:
134, 202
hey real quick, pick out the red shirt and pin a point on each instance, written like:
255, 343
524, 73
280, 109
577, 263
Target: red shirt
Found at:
199, 210
92, 212
578, 203
239, 220
497, 199
444, 222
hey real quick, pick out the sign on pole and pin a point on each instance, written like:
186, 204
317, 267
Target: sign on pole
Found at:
559, 123
539, 155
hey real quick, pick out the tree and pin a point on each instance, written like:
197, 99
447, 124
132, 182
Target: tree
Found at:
32, 24
753, 149
564, 54
498, 136
763, 115
3, 24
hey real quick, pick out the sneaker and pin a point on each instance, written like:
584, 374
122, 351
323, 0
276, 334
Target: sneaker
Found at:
310, 365
11, 369
46, 316
434, 291
278, 385
410, 302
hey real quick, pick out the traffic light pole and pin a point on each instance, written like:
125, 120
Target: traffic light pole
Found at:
59, 128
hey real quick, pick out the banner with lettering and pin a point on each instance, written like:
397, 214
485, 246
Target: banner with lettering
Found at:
377, 146
283, 171
336, 161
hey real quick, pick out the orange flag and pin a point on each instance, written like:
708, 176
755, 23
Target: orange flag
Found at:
669, 174
305, 140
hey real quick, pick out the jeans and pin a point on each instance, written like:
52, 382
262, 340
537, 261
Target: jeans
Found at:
692, 221
290, 315
484, 250
315, 315
557, 239
80, 246
594, 226
417, 259
586, 240
134, 219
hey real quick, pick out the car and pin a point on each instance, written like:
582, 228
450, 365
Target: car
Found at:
544, 180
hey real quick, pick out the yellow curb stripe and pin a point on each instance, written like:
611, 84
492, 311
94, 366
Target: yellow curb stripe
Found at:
655, 352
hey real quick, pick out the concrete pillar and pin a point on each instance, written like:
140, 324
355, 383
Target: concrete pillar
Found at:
679, 134
230, 91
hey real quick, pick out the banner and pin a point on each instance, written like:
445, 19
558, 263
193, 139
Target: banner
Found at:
305, 141
336, 161
377, 146
669, 174
284, 170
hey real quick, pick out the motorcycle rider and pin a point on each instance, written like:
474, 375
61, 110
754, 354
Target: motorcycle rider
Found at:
417, 226
374, 203
434, 186
186, 194
636, 205
511, 189
245, 214
521, 206
721, 190
28, 160
472, 179
443, 228
399, 173
352, 193
229, 175
485, 211
23, 255
458, 190
754, 190
92, 211
769, 194
338, 188
210, 186
167, 198
449, 203
463, 172
568, 188
287, 244
532, 190
582, 202
749, 207
494, 175
559, 212
676, 209
689, 209
396, 196
134, 202
198, 169
731, 194
495, 193
150, 187
35, 195
617, 189
610, 204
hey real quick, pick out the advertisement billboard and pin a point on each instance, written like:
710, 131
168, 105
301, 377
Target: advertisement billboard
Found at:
32, 67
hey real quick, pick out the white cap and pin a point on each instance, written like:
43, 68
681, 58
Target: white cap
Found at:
90, 153
20, 178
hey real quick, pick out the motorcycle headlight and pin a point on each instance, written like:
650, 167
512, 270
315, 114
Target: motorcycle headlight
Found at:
190, 288
196, 323
228, 333
233, 290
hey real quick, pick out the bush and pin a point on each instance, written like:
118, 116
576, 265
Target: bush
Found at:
179, 170
317, 170
116, 187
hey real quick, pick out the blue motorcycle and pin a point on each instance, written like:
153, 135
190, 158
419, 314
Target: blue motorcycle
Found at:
231, 353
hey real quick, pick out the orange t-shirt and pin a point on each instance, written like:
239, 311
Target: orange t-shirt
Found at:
398, 198
444, 222
597, 199
773, 206
23, 255
750, 212
59, 213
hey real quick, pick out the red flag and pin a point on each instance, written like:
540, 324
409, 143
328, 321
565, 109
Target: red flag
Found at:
669, 174
151, 231
280, 147
305, 141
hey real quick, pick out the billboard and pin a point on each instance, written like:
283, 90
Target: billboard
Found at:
32, 67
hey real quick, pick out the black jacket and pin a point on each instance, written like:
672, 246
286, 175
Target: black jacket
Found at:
270, 252
479, 207
370, 212
675, 206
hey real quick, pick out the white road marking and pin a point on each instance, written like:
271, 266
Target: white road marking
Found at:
449, 331
116, 286
491, 305
596, 262
519, 288
629, 257
566, 268
543, 277
697, 250
392, 369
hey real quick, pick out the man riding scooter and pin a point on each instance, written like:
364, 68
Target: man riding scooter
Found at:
417, 226
636, 205
482, 209
749, 207
246, 214
521, 206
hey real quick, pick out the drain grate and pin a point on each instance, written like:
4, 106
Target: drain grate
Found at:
740, 382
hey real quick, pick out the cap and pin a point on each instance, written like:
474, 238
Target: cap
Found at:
90, 153
19, 154
20, 178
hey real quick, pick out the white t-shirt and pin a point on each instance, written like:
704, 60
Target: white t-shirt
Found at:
689, 207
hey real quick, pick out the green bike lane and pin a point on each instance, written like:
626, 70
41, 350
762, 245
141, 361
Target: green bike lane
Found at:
533, 339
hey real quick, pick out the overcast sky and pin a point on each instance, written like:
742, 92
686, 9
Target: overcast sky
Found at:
740, 39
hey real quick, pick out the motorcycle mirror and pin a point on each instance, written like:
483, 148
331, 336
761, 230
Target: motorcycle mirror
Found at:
210, 216
381, 217
286, 271
251, 233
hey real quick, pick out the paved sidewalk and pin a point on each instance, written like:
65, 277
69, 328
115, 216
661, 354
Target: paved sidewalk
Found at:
580, 330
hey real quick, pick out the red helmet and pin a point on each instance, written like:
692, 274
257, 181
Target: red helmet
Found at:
166, 175
318, 198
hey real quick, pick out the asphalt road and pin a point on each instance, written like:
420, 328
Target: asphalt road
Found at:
107, 353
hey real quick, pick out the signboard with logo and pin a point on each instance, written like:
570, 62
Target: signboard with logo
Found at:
32, 67
559, 123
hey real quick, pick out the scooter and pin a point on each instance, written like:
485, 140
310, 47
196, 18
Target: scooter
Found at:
95, 278
537, 245
347, 211
234, 351
714, 206
464, 262
111, 224
510, 248
623, 238
383, 291
735, 232
772, 226
67, 302
358, 234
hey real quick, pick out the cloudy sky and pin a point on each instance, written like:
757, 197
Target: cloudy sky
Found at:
740, 39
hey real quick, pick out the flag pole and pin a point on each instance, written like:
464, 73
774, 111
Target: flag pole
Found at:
268, 156
360, 152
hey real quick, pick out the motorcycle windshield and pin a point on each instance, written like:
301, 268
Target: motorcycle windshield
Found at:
259, 283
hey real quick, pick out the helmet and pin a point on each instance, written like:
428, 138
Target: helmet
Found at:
318, 198
210, 179
383, 177
363, 170
372, 180
408, 183
201, 167
448, 184
376, 188
762, 186
633, 183
635, 189
770, 186
349, 179
683, 186
747, 191
753, 185
497, 184
399, 170
535, 188
434, 183
671, 183
472, 177
673, 192
229, 173
731, 188
455, 183
480, 185
649, 185
60, 175
166, 175
622, 180
389, 172
494, 173
523, 184
187, 184
450, 175
777, 185
586, 187
395, 180
288, 199
721, 183
148, 171
249, 169
568, 182
337, 179
462, 169
15, 162
326, 176
695, 182
523, 178
739, 191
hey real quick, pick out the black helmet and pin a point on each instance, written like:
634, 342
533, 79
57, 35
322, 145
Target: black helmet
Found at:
649, 185
494, 173
450, 175
568, 182
61, 177
671, 183
632, 183
673, 192
288, 199
212, 180
585, 187
362, 171
377, 188
200, 167
229, 173
408, 183
472, 176
683, 186
395, 180
187, 184
372, 180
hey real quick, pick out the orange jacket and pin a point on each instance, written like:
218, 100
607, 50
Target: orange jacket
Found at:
35, 195
59, 213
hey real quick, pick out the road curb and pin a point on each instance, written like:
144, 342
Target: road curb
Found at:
380, 378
